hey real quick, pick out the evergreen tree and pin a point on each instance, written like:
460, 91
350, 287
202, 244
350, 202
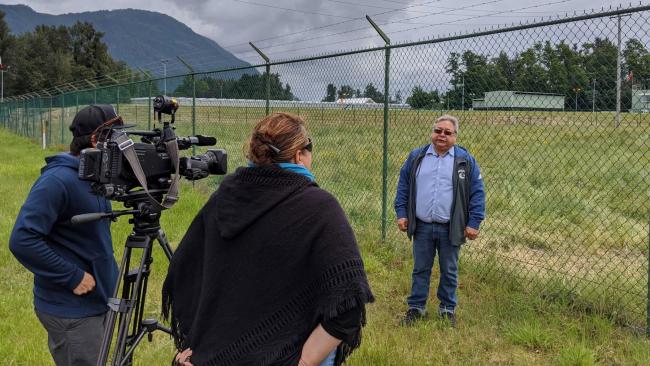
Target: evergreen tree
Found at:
331, 93
374, 94
345, 92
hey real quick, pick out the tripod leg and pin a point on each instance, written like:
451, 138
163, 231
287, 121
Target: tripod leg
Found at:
164, 243
113, 309
125, 320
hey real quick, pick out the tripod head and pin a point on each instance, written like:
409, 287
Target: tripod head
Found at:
146, 216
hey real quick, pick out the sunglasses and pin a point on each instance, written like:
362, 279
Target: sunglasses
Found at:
438, 131
310, 146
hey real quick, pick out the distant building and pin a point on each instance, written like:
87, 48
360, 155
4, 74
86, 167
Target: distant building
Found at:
355, 101
505, 99
640, 100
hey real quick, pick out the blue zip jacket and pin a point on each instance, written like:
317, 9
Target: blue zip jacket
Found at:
58, 252
468, 206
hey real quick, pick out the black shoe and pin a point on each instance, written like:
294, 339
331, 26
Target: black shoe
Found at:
412, 315
451, 317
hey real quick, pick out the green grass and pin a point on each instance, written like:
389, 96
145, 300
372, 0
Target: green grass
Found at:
567, 194
561, 262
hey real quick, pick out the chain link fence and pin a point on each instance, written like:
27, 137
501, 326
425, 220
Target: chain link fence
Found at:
555, 112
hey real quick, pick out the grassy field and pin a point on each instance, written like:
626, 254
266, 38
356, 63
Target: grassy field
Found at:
561, 261
567, 193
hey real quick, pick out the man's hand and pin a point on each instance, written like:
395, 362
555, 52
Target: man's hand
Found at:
86, 285
403, 224
471, 233
183, 358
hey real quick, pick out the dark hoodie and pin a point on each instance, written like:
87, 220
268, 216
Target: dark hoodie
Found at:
268, 258
58, 252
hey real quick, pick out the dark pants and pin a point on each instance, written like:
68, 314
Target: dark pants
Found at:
429, 239
73, 342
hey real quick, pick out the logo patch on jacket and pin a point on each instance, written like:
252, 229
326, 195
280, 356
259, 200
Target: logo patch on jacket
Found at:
461, 173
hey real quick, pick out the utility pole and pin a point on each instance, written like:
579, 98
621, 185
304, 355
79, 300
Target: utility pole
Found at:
618, 70
463, 98
593, 97
577, 90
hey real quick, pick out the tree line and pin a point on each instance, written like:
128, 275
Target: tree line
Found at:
346, 91
585, 75
53, 55
246, 87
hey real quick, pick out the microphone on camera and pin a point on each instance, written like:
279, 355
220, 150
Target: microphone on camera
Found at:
205, 140
198, 140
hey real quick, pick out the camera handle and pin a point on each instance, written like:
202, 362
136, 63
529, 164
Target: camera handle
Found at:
128, 311
125, 144
94, 216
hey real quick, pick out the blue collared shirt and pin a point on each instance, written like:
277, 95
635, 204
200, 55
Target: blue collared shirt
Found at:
434, 186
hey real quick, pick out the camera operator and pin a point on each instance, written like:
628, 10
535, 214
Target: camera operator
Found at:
269, 272
73, 265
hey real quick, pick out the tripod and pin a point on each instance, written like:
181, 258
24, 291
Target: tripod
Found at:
128, 311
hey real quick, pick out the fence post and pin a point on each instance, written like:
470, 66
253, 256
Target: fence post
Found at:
62, 112
24, 124
135, 105
268, 76
268, 88
193, 111
49, 122
149, 107
384, 175
193, 75
648, 299
43, 123
33, 131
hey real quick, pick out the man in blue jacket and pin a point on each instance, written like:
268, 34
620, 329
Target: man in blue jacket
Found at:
439, 203
73, 265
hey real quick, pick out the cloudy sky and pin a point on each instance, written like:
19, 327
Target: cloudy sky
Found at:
289, 28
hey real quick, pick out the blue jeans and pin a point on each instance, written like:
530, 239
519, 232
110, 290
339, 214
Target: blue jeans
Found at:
329, 361
428, 239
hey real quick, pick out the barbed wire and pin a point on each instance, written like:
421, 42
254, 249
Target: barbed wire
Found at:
410, 29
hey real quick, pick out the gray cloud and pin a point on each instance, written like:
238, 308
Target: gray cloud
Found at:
233, 24
283, 34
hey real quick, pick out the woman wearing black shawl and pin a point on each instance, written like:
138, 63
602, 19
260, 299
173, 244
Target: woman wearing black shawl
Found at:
269, 272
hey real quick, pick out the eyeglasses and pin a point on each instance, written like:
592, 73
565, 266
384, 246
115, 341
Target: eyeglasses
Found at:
309, 147
438, 131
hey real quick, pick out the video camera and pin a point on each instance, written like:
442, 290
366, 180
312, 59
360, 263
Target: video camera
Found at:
118, 165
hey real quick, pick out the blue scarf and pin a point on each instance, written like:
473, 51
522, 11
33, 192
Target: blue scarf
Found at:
295, 168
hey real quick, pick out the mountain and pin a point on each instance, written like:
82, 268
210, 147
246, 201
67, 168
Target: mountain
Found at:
138, 37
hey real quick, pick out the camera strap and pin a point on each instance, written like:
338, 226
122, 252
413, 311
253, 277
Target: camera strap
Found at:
125, 144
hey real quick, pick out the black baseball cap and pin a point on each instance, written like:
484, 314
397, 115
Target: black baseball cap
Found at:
90, 117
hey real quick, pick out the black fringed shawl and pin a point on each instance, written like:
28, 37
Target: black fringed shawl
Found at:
268, 258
